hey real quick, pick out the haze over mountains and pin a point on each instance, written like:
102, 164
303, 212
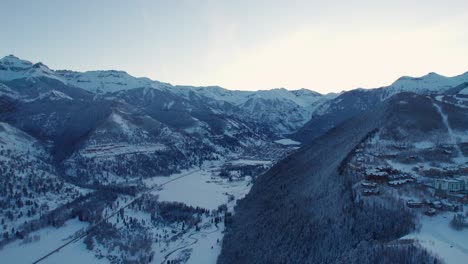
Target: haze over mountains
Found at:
78, 145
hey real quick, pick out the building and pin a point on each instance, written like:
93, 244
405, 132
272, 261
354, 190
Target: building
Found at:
449, 185
465, 182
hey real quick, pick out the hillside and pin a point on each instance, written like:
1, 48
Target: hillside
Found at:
131, 170
309, 207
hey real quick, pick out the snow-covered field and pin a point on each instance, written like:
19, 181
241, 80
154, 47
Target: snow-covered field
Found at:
200, 187
50, 239
438, 237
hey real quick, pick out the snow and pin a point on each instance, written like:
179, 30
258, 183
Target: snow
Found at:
288, 109
464, 91
202, 251
12, 68
400, 181
452, 136
249, 162
198, 188
14, 139
53, 95
432, 82
50, 239
287, 142
456, 100
203, 246
105, 81
303, 97
126, 127
438, 237
424, 145
7, 91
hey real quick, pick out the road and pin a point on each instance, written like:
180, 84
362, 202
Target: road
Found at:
194, 241
93, 227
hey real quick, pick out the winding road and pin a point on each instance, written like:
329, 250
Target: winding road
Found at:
194, 241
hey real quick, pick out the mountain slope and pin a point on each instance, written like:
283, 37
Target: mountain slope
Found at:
355, 102
30, 186
430, 83
152, 131
280, 110
305, 209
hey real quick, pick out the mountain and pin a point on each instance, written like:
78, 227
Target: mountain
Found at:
355, 102
82, 145
430, 83
91, 119
12, 68
155, 170
30, 186
311, 206
280, 110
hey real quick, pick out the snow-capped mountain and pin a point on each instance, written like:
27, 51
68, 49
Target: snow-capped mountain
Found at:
354, 102
93, 145
105, 81
12, 68
281, 110
276, 112
430, 83
78, 145
90, 120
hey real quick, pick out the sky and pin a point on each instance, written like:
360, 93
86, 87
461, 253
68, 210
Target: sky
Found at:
326, 46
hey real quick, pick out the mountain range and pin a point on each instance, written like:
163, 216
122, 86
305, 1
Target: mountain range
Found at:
83, 135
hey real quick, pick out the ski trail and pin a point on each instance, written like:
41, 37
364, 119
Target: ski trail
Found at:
452, 136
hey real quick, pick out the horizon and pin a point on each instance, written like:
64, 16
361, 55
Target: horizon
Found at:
214, 85
324, 47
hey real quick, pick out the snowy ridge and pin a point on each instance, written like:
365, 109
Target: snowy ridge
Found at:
54, 95
16, 140
7, 91
106, 81
12, 68
286, 110
464, 91
430, 83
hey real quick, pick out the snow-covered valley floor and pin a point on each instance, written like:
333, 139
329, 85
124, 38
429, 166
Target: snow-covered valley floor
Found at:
49, 239
198, 187
438, 237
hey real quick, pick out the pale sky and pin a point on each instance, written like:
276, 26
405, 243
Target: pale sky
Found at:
326, 46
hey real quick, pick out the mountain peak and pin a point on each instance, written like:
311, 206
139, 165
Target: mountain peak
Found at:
15, 62
305, 92
11, 56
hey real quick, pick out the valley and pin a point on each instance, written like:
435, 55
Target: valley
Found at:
104, 167
200, 188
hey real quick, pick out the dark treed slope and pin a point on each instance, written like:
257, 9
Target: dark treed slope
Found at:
304, 209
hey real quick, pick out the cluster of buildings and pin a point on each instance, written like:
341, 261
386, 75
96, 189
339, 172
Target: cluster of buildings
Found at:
452, 185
